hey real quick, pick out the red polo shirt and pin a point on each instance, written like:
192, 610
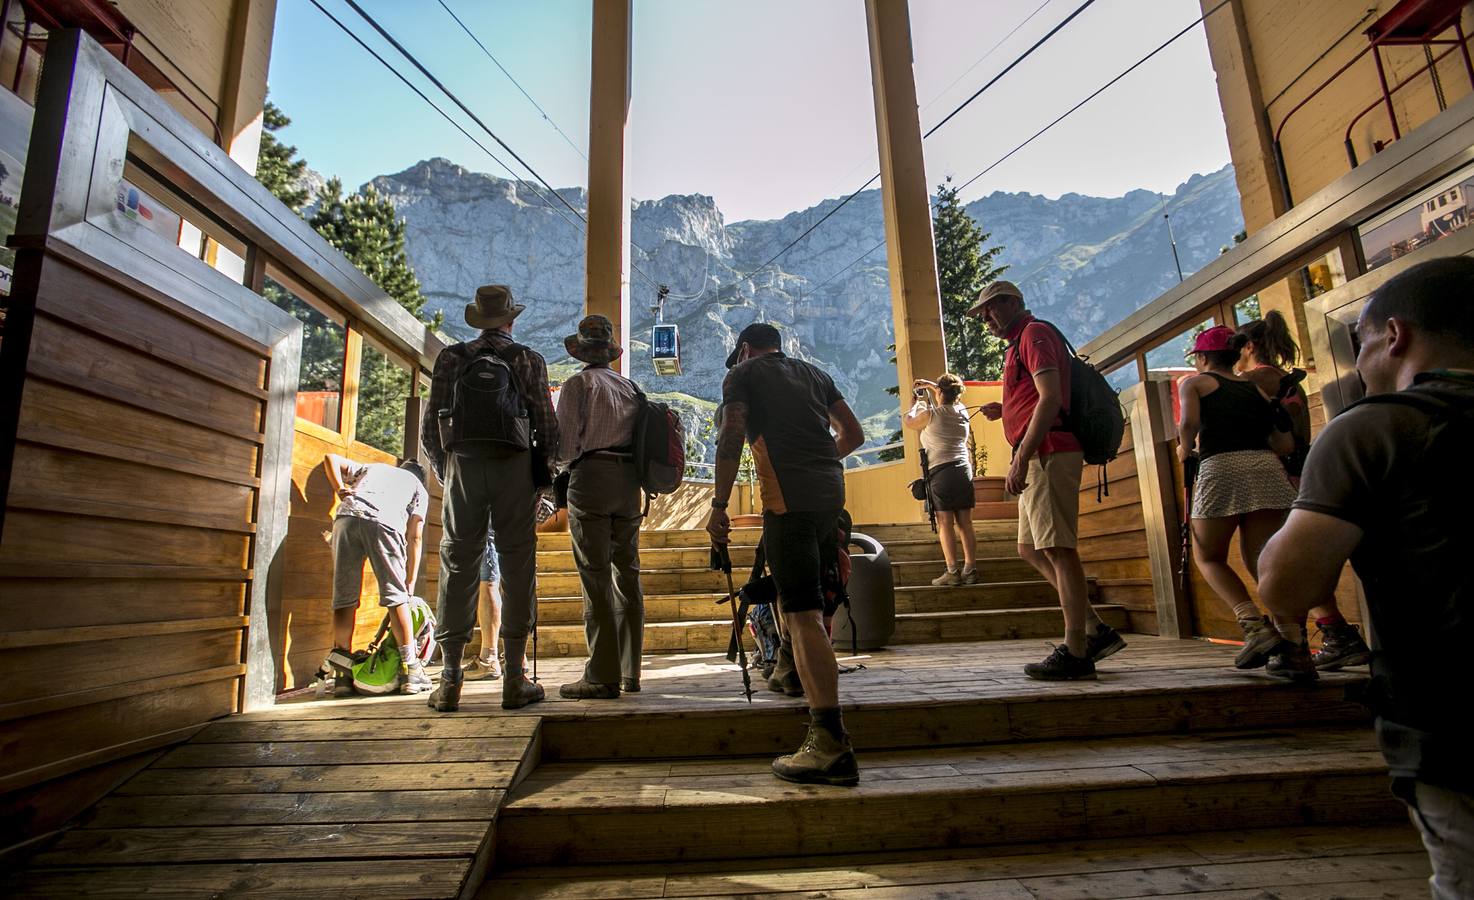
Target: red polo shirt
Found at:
1034, 347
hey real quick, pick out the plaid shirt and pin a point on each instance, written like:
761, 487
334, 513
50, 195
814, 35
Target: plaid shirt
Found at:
596, 411
531, 371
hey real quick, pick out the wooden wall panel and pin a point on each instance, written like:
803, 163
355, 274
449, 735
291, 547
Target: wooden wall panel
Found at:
1113, 539
125, 560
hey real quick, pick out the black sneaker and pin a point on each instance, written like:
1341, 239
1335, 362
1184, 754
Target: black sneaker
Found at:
1105, 641
1291, 662
1062, 665
1341, 645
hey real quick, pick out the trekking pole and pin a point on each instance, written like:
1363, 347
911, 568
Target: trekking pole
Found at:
1189, 478
720, 559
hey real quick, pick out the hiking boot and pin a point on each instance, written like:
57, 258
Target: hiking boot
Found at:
1341, 645
480, 669
414, 679
947, 579
518, 691
784, 679
1260, 639
583, 689
970, 576
1062, 665
820, 759
339, 664
1103, 642
446, 697
1291, 662
629, 685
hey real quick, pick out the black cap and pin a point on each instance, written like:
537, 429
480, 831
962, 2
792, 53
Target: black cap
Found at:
758, 334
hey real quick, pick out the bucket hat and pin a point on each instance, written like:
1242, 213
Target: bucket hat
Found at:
493, 306
594, 342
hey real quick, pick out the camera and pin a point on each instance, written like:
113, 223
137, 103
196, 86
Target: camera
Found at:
920, 393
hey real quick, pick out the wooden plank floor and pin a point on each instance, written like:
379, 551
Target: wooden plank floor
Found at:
1353, 863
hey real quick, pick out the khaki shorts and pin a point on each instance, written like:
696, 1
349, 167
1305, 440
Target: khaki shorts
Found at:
1049, 509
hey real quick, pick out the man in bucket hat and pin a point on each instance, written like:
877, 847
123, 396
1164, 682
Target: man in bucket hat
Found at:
597, 408
491, 478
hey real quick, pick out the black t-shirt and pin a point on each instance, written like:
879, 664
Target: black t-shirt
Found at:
1235, 417
1396, 466
788, 404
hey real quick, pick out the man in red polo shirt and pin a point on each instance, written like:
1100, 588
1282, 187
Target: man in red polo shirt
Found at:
1045, 474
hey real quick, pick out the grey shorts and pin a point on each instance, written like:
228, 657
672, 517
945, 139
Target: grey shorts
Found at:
355, 540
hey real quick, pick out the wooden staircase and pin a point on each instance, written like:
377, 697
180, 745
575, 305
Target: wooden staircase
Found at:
682, 594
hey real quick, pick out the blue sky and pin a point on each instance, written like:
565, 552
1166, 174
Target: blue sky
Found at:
764, 104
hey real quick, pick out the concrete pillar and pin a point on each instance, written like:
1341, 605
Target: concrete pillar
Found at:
607, 255
916, 302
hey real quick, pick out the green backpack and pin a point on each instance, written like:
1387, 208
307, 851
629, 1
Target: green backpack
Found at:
380, 671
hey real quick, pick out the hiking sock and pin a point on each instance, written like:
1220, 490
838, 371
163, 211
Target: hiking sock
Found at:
1330, 621
407, 653
451, 655
830, 721
1247, 611
1294, 632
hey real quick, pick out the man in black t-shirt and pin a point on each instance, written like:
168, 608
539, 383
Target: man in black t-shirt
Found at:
784, 409
1386, 485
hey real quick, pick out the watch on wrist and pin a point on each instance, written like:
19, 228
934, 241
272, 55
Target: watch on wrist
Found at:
718, 504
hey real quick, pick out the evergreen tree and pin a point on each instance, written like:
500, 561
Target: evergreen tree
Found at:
965, 265
277, 167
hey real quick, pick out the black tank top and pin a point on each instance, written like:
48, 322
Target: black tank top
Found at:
1235, 417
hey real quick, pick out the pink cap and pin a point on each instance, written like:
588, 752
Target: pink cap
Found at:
1219, 337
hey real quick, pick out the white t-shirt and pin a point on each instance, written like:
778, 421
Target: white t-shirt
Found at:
385, 494
945, 436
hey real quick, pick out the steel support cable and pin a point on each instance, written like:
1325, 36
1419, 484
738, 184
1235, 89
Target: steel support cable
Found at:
374, 24
991, 50
445, 115
546, 118
933, 130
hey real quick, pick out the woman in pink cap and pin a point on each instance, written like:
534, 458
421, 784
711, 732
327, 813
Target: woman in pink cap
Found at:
1229, 424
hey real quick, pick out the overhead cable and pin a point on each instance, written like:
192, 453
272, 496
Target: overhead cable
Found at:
546, 118
991, 50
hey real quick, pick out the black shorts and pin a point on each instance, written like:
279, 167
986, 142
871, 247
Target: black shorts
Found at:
949, 488
796, 544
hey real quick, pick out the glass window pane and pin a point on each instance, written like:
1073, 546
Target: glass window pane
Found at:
383, 395
1124, 376
1172, 355
324, 343
1422, 219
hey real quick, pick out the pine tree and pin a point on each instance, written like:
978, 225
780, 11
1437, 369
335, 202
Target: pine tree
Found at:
965, 267
277, 166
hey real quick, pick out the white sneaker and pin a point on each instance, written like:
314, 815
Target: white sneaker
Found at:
415, 679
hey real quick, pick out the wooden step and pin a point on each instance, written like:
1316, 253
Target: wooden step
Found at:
1297, 863
690, 578
991, 570
986, 530
931, 551
696, 604
991, 529
1045, 623
952, 797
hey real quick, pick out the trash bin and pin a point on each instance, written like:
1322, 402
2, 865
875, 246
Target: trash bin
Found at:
872, 591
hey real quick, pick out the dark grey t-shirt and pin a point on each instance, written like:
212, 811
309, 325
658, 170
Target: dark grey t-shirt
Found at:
1396, 466
788, 404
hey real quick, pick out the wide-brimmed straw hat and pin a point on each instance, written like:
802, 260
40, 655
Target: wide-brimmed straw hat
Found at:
995, 291
1211, 340
594, 343
493, 306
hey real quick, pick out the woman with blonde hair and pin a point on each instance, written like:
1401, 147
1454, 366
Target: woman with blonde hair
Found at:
942, 420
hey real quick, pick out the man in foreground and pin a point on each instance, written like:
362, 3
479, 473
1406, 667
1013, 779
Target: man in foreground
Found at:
1045, 474
784, 408
1386, 486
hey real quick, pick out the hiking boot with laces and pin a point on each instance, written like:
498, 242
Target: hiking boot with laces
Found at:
1341, 645
629, 685
1102, 642
1260, 639
583, 689
947, 579
1291, 661
481, 668
1062, 665
820, 759
970, 576
518, 691
446, 697
784, 679
415, 680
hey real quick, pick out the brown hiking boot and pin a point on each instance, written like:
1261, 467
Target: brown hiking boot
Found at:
447, 697
820, 759
784, 679
1292, 662
629, 685
947, 579
583, 689
1260, 639
1341, 645
518, 691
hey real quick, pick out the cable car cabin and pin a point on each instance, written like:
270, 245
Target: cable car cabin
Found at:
665, 349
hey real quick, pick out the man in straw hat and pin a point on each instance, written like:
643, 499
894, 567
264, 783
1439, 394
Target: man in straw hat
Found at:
487, 394
597, 408
1045, 474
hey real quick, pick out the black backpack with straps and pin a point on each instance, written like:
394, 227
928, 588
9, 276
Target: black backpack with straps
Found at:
488, 412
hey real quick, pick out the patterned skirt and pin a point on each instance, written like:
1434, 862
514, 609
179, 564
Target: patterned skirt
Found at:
1240, 482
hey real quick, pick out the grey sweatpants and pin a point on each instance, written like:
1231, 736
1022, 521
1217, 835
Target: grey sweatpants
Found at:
1446, 819
604, 520
356, 539
478, 490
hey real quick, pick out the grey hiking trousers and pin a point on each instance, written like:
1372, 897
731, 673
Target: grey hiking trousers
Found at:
478, 489
604, 522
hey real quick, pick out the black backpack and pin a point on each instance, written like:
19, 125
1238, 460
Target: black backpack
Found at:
488, 413
1094, 414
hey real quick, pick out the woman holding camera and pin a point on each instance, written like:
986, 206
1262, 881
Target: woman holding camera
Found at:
942, 420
